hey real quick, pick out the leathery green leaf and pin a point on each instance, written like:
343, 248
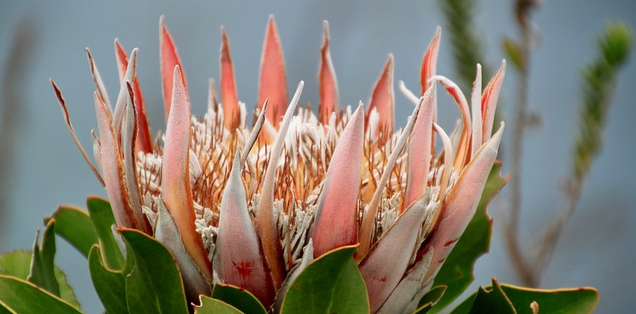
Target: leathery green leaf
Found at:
241, 299
154, 284
214, 306
110, 285
42, 263
502, 298
559, 301
430, 299
18, 264
12, 297
75, 226
330, 284
102, 216
457, 272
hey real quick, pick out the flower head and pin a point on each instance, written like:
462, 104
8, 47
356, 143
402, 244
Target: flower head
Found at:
251, 206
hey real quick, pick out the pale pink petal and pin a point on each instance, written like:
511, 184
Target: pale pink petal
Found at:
429, 62
489, 101
336, 223
366, 230
383, 99
386, 263
461, 202
327, 80
238, 258
229, 99
168, 59
272, 82
419, 150
265, 213
175, 182
112, 166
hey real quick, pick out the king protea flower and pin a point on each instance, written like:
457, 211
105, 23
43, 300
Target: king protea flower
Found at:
251, 206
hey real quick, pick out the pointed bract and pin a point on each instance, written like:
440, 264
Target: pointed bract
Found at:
175, 171
336, 222
168, 60
240, 265
272, 83
229, 99
388, 260
122, 97
366, 230
327, 81
166, 232
130, 176
143, 140
265, 213
475, 103
419, 150
97, 79
489, 101
71, 130
112, 166
429, 62
406, 291
461, 203
460, 99
383, 99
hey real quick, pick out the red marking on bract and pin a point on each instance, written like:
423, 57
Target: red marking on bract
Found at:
244, 269
383, 279
449, 243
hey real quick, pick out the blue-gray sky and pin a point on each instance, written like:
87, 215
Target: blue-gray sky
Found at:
597, 245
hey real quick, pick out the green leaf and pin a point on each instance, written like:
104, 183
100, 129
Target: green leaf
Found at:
42, 264
558, 301
66, 291
18, 264
154, 284
243, 300
214, 306
102, 216
430, 299
12, 296
489, 299
515, 53
75, 226
511, 299
110, 285
330, 284
457, 271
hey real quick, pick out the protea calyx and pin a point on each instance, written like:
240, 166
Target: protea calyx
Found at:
251, 206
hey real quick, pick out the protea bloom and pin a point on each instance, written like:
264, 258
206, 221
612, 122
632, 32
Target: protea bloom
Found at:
251, 206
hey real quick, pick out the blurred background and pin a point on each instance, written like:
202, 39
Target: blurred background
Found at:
42, 168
